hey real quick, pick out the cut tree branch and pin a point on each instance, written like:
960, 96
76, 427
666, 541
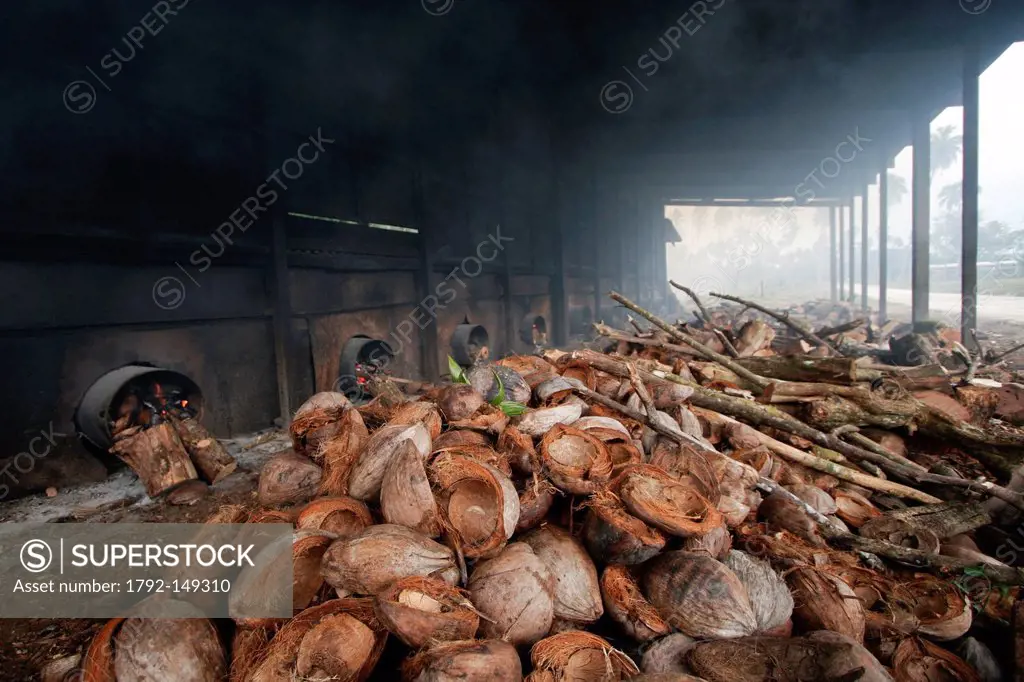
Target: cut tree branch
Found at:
784, 319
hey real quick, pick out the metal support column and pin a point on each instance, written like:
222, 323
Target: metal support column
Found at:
853, 251
429, 350
832, 247
920, 198
559, 283
841, 212
282, 314
883, 243
969, 255
864, 250
599, 226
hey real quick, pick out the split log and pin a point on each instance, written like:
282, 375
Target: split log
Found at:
210, 458
842, 371
754, 337
945, 520
158, 456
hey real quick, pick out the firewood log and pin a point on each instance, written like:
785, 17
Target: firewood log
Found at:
158, 456
208, 455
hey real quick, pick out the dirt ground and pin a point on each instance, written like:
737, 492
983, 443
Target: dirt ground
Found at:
28, 644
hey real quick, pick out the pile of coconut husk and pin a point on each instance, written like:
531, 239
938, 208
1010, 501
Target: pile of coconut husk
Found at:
659, 511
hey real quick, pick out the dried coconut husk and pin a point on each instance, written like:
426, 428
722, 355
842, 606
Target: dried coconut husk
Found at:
370, 561
769, 596
869, 586
553, 391
917, 660
900, 533
527, 365
340, 453
488, 419
143, 649
342, 516
493, 660
490, 380
536, 497
517, 448
476, 502
615, 535
817, 657
653, 496
585, 374
577, 592
667, 654
578, 655
406, 498
635, 428
288, 478
514, 592
376, 412
699, 596
759, 458
419, 412
884, 632
481, 453
536, 423
817, 498
602, 425
734, 510
621, 448
824, 602
853, 508
689, 466
942, 610
247, 648
230, 513
460, 401
716, 543
781, 512
628, 607
315, 420
271, 516
575, 461
338, 640
458, 437
420, 611
367, 473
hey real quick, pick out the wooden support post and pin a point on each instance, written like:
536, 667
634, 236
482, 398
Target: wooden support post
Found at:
599, 228
282, 314
969, 252
864, 250
853, 251
841, 212
832, 255
920, 198
883, 243
559, 281
424, 280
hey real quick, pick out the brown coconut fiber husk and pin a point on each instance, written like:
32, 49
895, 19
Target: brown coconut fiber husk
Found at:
536, 423
869, 586
476, 502
288, 478
698, 596
342, 516
493, 660
455, 437
692, 468
535, 500
480, 452
514, 593
578, 655
405, 495
377, 411
247, 649
824, 602
189, 650
367, 473
517, 448
760, 458
942, 610
339, 454
488, 419
918, 660
815, 658
577, 588
338, 640
575, 461
667, 655
369, 562
272, 516
769, 596
419, 412
853, 508
900, 533
716, 543
420, 611
98, 660
316, 421
459, 402
230, 513
628, 607
615, 535
817, 498
653, 496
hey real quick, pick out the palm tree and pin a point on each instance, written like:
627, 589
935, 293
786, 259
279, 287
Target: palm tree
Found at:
951, 197
897, 188
946, 148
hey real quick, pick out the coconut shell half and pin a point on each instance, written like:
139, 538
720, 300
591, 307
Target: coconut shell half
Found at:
369, 562
419, 412
917, 660
405, 495
514, 592
699, 596
615, 535
493, 660
769, 596
342, 516
628, 607
339, 454
942, 610
288, 478
577, 589
578, 655
476, 502
574, 460
367, 473
825, 602
651, 495
424, 610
